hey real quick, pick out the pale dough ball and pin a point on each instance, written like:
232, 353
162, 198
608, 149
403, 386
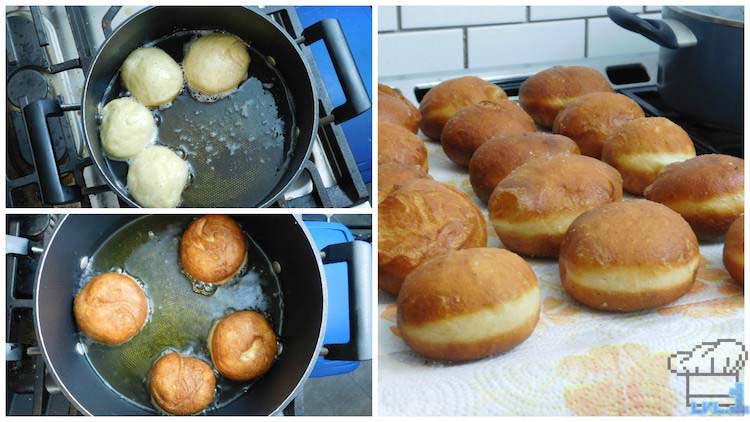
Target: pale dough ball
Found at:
216, 63
152, 76
127, 127
157, 177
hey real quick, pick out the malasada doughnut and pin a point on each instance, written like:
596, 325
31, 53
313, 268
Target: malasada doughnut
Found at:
152, 76
395, 108
468, 304
445, 99
474, 125
420, 220
111, 308
533, 207
181, 385
213, 249
640, 148
628, 256
499, 156
708, 191
392, 175
242, 345
592, 118
396, 144
734, 251
549, 91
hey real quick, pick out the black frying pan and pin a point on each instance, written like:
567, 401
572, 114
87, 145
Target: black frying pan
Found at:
255, 176
283, 238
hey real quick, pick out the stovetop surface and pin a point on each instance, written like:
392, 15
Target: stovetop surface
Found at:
47, 44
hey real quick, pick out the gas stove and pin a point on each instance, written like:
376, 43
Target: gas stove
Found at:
49, 49
631, 75
30, 388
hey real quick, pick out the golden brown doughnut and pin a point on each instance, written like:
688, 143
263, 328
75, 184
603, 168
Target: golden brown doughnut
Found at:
499, 156
420, 220
445, 99
708, 191
734, 251
397, 145
533, 207
468, 304
549, 91
592, 118
181, 385
242, 345
474, 125
640, 148
111, 308
395, 108
213, 249
629, 256
391, 176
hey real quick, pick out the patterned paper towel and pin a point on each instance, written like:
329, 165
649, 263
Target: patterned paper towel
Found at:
578, 361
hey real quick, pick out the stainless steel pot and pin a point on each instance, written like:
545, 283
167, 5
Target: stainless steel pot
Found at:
701, 58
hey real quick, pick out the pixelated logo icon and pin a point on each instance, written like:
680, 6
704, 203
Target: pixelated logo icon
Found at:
712, 373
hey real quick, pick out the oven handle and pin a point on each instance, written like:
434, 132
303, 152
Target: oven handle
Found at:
357, 100
358, 257
35, 114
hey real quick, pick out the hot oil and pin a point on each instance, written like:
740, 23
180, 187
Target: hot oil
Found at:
148, 250
237, 147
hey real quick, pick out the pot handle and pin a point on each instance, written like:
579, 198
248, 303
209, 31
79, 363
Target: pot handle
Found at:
35, 114
15, 245
358, 256
357, 100
668, 33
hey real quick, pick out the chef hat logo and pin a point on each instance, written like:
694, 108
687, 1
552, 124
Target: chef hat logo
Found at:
720, 357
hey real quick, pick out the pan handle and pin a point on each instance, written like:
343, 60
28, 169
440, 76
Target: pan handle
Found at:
358, 256
667, 33
357, 100
35, 114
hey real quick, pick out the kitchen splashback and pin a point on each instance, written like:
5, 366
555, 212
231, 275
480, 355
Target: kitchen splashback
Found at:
418, 39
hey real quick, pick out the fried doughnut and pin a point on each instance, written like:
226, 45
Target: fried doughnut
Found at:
213, 249
474, 125
545, 94
468, 304
629, 256
395, 108
397, 145
734, 251
640, 148
242, 345
111, 308
499, 156
152, 76
592, 118
181, 385
391, 176
216, 63
708, 191
445, 99
420, 220
533, 207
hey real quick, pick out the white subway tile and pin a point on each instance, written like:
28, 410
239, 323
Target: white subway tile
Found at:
564, 12
439, 16
653, 8
387, 18
526, 43
404, 53
605, 38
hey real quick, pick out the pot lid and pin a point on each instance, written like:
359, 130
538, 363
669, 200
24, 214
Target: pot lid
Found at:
723, 15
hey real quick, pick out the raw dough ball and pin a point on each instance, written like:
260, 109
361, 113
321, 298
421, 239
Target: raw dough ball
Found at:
216, 63
152, 76
157, 177
127, 127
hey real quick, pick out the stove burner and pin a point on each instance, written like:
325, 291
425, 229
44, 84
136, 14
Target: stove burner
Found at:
26, 86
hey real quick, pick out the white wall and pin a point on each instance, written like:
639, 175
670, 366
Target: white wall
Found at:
415, 39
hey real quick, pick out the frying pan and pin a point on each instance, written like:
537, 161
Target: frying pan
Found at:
283, 238
253, 179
